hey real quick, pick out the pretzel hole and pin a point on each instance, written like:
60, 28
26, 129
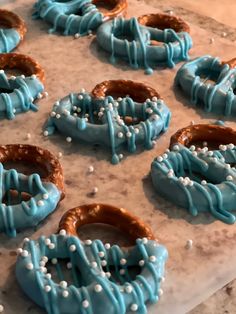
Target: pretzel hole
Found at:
26, 167
208, 76
106, 233
105, 6
14, 197
124, 34
137, 93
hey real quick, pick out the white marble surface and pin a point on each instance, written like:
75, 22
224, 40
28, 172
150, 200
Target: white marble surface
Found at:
70, 65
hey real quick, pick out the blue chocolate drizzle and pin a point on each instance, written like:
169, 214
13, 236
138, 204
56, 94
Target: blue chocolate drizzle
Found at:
217, 96
82, 117
129, 40
93, 288
9, 39
198, 180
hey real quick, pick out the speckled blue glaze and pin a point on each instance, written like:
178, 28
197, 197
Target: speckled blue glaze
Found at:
70, 17
116, 294
17, 94
178, 175
44, 198
136, 48
9, 39
215, 97
100, 121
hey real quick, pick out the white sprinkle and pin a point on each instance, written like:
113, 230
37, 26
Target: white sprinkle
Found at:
23, 76
48, 276
43, 269
19, 251
210, 153
212, 40
116, 104
120, 134
101, 254
45, 94
192, 122
160, 292
203, 182
98, 288
45, 259
72, 248
80, 97
95, 190
77, 35
152, 259
28, 136
42, 263
45, 133
176, 147
154, 99
192, 148
223, 148
58, 116
39, 96
33, 76
123, 261
91, 169
134, 307
119, 99
62, 232
149, 110
160, 159
170, 173
69, 265
66, 112
104, 263
59, 154
121, 156
26, 240
94, 264
155, 117
108, 274
40, 203
162, 279
69, 139
51, 246
204, 144
141, 263
78, 109
227, 166
136, 131
85, 304
128, 134
63, 284
107, 246
47, 241
88, 242
194, 154
229, 178
54, 261
189, 244
29, 266
181, 179
65, 293
224, 34
47, 288
231, 146
122, 271
82, 90
24, 253
129, 289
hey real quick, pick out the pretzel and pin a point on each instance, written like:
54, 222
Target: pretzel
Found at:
65, 18
22, 62
45, 192
107, 214
209, 83
15, 32
97, 289
139, 41
23, 91
104, 117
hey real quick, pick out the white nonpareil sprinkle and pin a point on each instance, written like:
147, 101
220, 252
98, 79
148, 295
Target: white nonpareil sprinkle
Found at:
88, 242
63, 284
28, 136
85, 304
107, 246
141, 262
121, 156
129, 289
51, 246
123, 261
72, 248
60, 154
45, 133
62, 232
152, 258
160, 292
94, 190
45, 196
134, 307
212, 40
189, 244
98, 288
47, 288
40, 203
54, 261
77, 35
229, 178
29, 266
65, 293
69, 139
90, 169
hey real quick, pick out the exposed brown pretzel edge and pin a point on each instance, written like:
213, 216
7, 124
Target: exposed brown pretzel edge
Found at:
107, 214
12, 20
163, 21
204, 132
118, 10
136, 90
22, 62
35, 155
231, 63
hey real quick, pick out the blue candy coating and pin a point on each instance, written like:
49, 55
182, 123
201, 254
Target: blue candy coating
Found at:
116, 294
43, 201
178, 177
215, 97
9, 39
19, 96
129, 40
70, 17
105, 126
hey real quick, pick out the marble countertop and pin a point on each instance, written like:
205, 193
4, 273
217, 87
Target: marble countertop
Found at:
192, 276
